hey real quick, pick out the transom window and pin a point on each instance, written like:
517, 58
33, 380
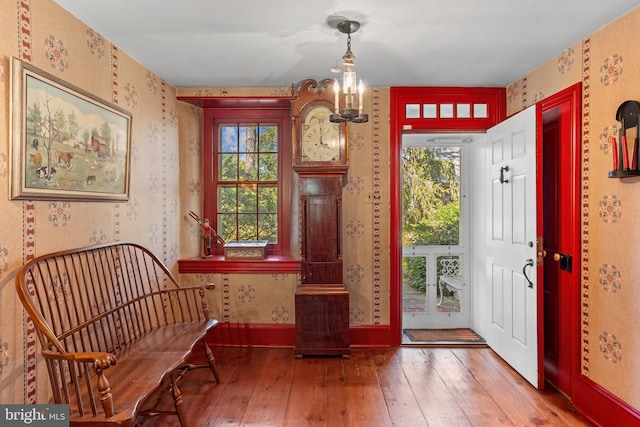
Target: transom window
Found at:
447, 110
248, 161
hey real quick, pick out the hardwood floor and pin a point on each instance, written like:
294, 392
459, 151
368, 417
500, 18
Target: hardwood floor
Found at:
402, 386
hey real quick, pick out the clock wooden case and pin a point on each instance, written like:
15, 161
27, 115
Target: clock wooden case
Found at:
320, 158
321, 229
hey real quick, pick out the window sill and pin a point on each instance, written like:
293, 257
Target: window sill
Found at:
272, 264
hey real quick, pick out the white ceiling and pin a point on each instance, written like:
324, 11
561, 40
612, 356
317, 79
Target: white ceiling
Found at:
274, 43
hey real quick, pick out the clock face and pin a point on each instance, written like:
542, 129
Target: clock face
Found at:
320, 139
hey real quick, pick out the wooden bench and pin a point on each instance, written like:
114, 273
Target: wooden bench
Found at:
114, 325
450, 277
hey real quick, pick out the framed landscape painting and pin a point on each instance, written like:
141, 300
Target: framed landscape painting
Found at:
66, 144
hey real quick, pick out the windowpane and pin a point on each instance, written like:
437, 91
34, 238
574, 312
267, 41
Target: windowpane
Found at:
228, 138
227, 226
227, 198
268, 199
446, 111
413, 111
463, 111
414, 284
268, 142
247, 138
480, 111
247, 198
431, 196
449, 273
430, 111
228, 167
268, 167
248, 170
247, 226
268, 227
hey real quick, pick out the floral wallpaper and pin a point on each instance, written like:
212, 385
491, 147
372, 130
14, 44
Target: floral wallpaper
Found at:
608, 65
46, 36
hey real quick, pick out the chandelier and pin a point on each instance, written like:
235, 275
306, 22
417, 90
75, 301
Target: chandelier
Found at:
352, 91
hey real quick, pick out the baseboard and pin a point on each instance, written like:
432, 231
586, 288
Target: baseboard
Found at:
601, 407
283, 335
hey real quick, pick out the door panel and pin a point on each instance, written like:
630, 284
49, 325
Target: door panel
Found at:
520, 317
519, 197
497, 294
511, 168
497, 231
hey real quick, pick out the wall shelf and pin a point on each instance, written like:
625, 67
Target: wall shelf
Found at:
624, 173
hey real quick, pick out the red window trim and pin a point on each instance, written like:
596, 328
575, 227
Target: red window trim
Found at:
273, 264
494, 98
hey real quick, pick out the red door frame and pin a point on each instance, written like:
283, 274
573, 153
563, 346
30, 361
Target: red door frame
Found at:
593, 401
566, 107
494, 98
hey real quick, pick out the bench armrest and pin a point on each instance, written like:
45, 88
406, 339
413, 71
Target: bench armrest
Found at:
99, 358
100, 361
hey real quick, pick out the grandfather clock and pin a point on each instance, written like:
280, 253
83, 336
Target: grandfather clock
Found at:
320, 158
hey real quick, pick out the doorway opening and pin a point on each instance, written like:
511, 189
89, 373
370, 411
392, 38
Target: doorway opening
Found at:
435, 112
435, 239
416, 111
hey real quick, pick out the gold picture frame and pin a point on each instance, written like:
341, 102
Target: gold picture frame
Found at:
66, 144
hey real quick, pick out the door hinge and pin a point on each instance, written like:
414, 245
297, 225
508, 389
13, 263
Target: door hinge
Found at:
539, 251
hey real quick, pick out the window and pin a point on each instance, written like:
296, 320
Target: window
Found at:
247, 173
247, 181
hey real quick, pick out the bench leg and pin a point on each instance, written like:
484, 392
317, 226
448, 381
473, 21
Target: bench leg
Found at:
211, 360
178, 402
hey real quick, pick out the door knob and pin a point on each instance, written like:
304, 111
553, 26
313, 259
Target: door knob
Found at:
556, 257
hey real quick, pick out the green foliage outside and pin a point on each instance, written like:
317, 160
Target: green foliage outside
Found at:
248, 196
431, 205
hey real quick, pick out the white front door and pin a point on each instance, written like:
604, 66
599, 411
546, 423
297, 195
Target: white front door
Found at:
511, 243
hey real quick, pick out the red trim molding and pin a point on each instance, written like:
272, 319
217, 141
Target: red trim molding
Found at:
600, 406
280, 335
273, 264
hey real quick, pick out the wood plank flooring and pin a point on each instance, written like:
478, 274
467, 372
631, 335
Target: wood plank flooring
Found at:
401, 386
